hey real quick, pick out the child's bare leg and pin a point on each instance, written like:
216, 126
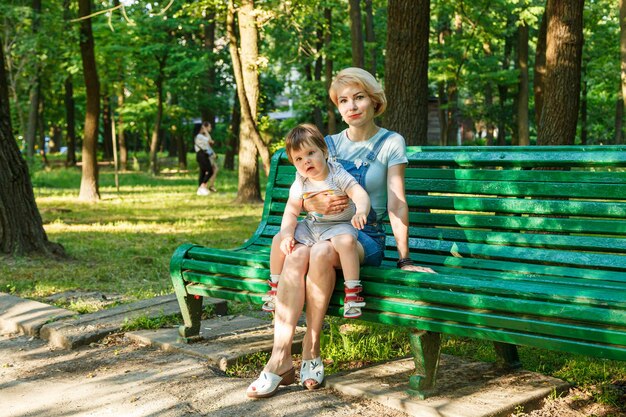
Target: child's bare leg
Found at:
346, 247
349, 256
277, 260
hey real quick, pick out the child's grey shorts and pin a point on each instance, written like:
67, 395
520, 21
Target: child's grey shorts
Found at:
309, 232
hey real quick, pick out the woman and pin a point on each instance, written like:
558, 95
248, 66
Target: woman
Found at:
376, 157
206, 158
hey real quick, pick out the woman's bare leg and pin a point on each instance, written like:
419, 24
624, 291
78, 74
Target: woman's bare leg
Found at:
289, 304
319, 287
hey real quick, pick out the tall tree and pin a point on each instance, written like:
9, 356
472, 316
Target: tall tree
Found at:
249, 189
540, 69
249, 60
356, 28
35, 92
331, 120
21, 226
208, 113
563, 64
370, 38
89, 181
156, 130
407, 65
622, 44
522, 95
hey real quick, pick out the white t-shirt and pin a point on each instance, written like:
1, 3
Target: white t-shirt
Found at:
337, 182
392, 152
202, 143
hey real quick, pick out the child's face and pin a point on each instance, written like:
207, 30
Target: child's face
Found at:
310, 162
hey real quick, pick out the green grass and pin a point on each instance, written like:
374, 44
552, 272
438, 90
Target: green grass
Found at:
122, 245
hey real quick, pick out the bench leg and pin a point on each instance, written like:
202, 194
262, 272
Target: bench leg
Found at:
426, 347
507, 355
191, 310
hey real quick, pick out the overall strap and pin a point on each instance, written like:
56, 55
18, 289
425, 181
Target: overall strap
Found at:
332, 150
378, 145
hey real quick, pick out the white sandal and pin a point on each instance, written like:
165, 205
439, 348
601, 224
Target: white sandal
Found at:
267, 383
312, 370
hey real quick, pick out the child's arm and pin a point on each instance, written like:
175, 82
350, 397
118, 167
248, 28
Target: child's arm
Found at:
362, 202
288, 225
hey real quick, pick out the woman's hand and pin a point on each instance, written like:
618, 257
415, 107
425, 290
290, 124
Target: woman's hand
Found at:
359, 220
326, 203
287, 245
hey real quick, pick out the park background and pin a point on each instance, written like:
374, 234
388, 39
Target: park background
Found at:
100, 101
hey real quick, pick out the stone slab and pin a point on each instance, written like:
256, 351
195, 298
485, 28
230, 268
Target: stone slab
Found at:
19, 315
464, 388
224, 339
88, 328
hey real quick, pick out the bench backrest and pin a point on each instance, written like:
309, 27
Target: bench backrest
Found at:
563, 206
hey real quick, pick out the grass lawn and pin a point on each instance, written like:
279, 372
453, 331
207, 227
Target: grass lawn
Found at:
122, 246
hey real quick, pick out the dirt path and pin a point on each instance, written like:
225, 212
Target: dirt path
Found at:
121, 378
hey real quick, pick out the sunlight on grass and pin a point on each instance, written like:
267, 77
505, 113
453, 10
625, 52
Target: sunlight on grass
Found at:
123, 243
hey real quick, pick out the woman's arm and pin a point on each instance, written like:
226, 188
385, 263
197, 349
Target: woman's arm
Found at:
398, 209
399, 214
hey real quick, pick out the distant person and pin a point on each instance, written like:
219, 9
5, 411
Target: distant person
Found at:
207, 160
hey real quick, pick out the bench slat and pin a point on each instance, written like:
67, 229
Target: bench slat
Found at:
499, 175
517, 188
516, 223
572, 242
518, 205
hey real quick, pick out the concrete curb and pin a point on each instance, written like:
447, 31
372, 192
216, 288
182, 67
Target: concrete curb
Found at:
18, 315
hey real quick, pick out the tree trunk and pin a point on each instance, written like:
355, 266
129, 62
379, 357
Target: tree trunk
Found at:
249, 189
250, 76
328, 72
584, 130
356, 30
121, 135
70, 120
407, 64
318, 118
540, 69
622, 48
31, 128
619, 120
89, 181
522, 95
370, 38
21, 226
156, 131
232, 148
503, 93
563, 61
107, 128
35, 91
208, 113
442, 104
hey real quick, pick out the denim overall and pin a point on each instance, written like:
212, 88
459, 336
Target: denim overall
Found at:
358, 169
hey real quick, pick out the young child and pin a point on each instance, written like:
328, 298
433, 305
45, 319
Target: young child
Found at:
307, 150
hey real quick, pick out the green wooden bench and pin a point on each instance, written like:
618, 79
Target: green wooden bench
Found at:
529, 246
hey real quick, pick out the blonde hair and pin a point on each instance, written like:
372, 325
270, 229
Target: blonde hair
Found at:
364, 80
304, 134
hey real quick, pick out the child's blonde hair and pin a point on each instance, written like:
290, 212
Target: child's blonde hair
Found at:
301, 135
365, 81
